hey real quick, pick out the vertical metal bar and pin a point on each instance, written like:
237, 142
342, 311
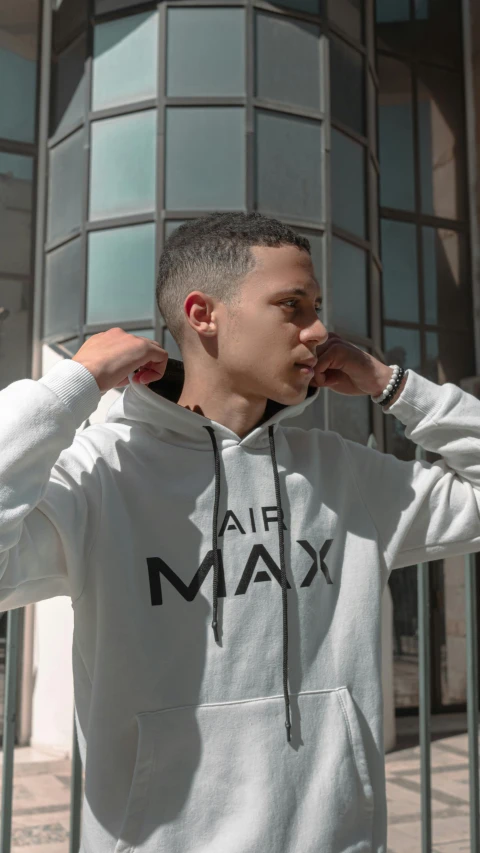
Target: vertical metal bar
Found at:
250, 112
160, 221
472, 698
423, 605
472, 170
75, 794
41, 188
9, 720
89, 48
377, 421
327, 206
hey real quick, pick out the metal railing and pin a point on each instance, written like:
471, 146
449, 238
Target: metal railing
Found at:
10, 714
9, 721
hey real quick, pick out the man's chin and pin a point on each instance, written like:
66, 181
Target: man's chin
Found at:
289, 396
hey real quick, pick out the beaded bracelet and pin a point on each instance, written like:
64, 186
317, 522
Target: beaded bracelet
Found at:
387, 395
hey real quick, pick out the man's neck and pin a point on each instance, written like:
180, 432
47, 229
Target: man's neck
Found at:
215, 400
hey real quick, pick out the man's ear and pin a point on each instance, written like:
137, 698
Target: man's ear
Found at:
199, 310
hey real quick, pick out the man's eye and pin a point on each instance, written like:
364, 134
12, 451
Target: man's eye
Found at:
319, 309
290, 303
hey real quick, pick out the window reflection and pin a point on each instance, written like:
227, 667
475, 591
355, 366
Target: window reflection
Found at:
395, 127
401, 346
449, 357
440, 121
438, 31
395, 30
400, 280
446, 287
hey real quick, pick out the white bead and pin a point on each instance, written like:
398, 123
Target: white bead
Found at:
389, 387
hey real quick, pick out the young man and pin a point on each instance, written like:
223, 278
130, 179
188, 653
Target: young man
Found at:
225, 569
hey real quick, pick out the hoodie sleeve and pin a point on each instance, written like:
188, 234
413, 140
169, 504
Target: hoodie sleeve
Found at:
425, 511
48, 485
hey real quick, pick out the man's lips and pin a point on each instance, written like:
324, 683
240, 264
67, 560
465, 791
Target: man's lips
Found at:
307, 366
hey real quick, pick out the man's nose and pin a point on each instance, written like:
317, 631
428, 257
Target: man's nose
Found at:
315, 333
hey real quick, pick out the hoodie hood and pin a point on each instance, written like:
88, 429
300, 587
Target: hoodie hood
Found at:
155, 407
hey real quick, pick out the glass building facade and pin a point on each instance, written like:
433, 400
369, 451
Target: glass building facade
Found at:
344, 118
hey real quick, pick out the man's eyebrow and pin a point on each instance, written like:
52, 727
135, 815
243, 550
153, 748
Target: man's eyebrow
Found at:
297, 291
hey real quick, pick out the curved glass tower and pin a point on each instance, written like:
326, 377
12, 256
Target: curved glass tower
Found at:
164, 112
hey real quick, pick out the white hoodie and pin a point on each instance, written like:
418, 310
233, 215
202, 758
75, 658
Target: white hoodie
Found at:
182, 737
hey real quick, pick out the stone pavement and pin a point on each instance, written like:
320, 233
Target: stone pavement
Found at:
42, 797
450, 797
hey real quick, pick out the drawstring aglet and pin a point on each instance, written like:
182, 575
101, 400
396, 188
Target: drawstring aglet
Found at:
215, 630
288, 726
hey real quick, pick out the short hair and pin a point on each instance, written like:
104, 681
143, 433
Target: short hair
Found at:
212, 254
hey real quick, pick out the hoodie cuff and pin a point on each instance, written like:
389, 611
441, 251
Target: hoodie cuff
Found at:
420, 398
75, 386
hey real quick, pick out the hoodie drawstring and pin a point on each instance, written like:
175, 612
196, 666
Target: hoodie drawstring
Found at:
216, 457
281, 544
283, 571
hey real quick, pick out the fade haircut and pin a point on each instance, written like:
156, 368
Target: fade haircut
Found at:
212, 254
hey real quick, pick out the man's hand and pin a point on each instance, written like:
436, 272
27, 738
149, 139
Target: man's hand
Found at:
111, 356
347, 369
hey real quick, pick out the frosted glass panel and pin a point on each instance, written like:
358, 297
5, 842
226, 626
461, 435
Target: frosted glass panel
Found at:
289, 175
347, 85
63, 290
121, 274
348, 184
123, 165
125, 60
69, 87
316, 252
205, 158
349, 279
205, 52
288, 61
18, 76
65, 193
400, 278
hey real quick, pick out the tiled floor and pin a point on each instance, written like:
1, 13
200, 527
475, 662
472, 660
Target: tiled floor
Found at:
450, 798
42, 796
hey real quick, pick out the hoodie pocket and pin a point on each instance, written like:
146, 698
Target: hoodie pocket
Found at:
222, 777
